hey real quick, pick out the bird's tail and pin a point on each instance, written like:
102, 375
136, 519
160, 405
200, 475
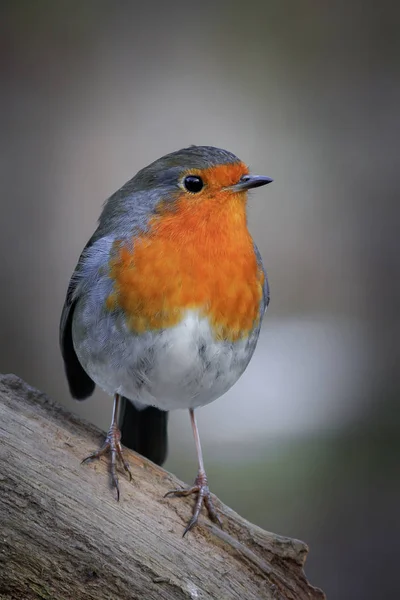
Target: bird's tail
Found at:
144, 431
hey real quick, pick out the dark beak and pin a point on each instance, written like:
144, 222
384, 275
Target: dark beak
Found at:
247, 182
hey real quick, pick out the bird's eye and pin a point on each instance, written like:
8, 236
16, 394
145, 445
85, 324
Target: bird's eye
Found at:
193, 183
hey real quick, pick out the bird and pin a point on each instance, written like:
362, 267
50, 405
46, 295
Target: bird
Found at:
165, 305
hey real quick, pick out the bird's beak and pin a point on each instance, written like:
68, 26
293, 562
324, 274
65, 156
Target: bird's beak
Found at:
247, 182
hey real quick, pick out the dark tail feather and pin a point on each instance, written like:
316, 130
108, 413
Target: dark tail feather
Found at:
144, 431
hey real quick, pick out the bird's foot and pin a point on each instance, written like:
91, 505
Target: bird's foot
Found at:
113, 445
200, 488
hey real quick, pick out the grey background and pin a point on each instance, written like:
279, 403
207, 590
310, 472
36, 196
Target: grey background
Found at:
307, 443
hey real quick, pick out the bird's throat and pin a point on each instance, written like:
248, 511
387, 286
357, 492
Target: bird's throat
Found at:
191, 258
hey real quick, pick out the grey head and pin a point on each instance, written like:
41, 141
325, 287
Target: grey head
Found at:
169, 167
131, 207
136, 201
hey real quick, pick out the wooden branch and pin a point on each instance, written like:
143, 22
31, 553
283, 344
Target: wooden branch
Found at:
63, 536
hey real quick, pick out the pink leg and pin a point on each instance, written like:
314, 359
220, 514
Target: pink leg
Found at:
112, 444
200, 487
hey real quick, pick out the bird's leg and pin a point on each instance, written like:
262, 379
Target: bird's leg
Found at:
200, 487
112, 444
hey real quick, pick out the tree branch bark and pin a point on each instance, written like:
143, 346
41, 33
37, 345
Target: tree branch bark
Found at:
63, 536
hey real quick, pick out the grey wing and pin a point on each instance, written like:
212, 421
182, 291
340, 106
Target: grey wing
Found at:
80, 384
265, 302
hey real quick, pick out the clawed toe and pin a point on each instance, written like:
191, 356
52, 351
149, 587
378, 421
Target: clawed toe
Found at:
113, 445
200, 488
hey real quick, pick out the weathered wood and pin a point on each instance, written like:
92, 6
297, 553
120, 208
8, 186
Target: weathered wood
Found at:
63, 535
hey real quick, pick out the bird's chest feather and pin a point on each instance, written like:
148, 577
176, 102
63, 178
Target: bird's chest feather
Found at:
188, 261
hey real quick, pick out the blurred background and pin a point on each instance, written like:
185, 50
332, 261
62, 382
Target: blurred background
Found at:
307, 443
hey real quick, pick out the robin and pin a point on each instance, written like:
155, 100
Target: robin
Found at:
164, 308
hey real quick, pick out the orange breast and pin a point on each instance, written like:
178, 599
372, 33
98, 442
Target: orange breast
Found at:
199, 256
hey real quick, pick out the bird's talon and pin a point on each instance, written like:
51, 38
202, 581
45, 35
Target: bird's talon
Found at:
189, 526
217, 519
94, 455
125, 464
200, 488
116, 486
112, 445
178, 492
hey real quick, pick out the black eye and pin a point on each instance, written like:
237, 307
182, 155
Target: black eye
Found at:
193, 183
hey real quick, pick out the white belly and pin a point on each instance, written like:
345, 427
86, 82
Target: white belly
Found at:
179, 367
